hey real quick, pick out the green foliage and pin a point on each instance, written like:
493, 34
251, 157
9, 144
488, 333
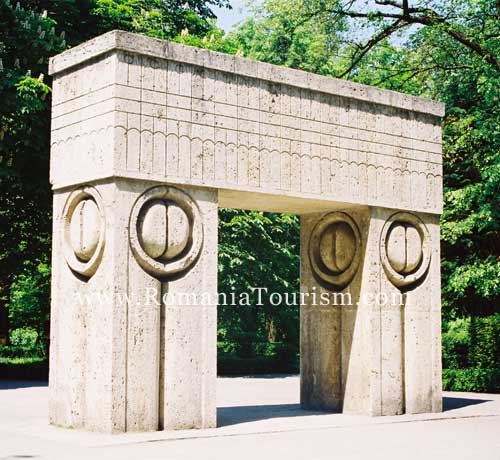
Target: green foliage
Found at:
470, 223
20, 361
456, 343
277, 34
471, 354
214, 39
24, 337
31, 32
472, 379
26, 348
258, 250
156, 18
29, 305
485, 342
27, 39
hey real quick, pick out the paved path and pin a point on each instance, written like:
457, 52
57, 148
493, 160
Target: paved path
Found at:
259, 418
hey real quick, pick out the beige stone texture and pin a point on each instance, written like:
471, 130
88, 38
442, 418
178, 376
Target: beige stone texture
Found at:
149, 138
367, 355
144, 108
121, 358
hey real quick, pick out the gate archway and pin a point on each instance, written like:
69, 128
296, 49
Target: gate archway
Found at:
149, 138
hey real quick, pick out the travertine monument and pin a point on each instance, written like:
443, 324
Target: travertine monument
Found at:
149, 138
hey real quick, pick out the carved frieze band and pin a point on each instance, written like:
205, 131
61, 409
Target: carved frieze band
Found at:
166, 231
405, 249
83, 227
335, 249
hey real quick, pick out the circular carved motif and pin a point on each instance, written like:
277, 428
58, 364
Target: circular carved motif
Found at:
166, 231
335, 249
83, 227
405, 249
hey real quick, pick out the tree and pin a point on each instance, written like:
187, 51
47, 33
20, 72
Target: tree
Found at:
450, 54
31, 31
473, 25
447, 50
27, 40
157, 18
258, 250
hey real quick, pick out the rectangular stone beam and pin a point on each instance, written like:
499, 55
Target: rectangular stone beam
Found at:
129, 106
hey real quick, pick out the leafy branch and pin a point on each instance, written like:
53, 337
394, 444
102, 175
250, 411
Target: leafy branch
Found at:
401, 15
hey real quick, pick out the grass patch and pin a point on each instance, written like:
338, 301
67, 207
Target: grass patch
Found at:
22, 361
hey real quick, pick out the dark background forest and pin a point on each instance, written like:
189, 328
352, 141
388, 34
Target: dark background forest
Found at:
447, 50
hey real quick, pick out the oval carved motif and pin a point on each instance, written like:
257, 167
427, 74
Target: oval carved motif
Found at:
166, 231
396, 247
337, 247
84, 229
413, 249
163, 230
178, 231
153, 228
405, 249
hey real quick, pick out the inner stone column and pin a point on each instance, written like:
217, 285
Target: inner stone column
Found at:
370, 338
129, 350
333, 336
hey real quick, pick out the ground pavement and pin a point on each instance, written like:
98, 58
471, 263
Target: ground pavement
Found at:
260, 418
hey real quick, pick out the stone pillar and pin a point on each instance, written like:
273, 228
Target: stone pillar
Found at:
370, 324
129, 352
330, 259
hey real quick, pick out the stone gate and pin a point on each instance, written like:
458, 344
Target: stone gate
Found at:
149, 138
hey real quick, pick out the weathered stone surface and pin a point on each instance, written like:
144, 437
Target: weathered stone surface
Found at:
162, 111
164, 230
337, 247
115, 361
396, 248
84, 229
149, 138
361, 354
